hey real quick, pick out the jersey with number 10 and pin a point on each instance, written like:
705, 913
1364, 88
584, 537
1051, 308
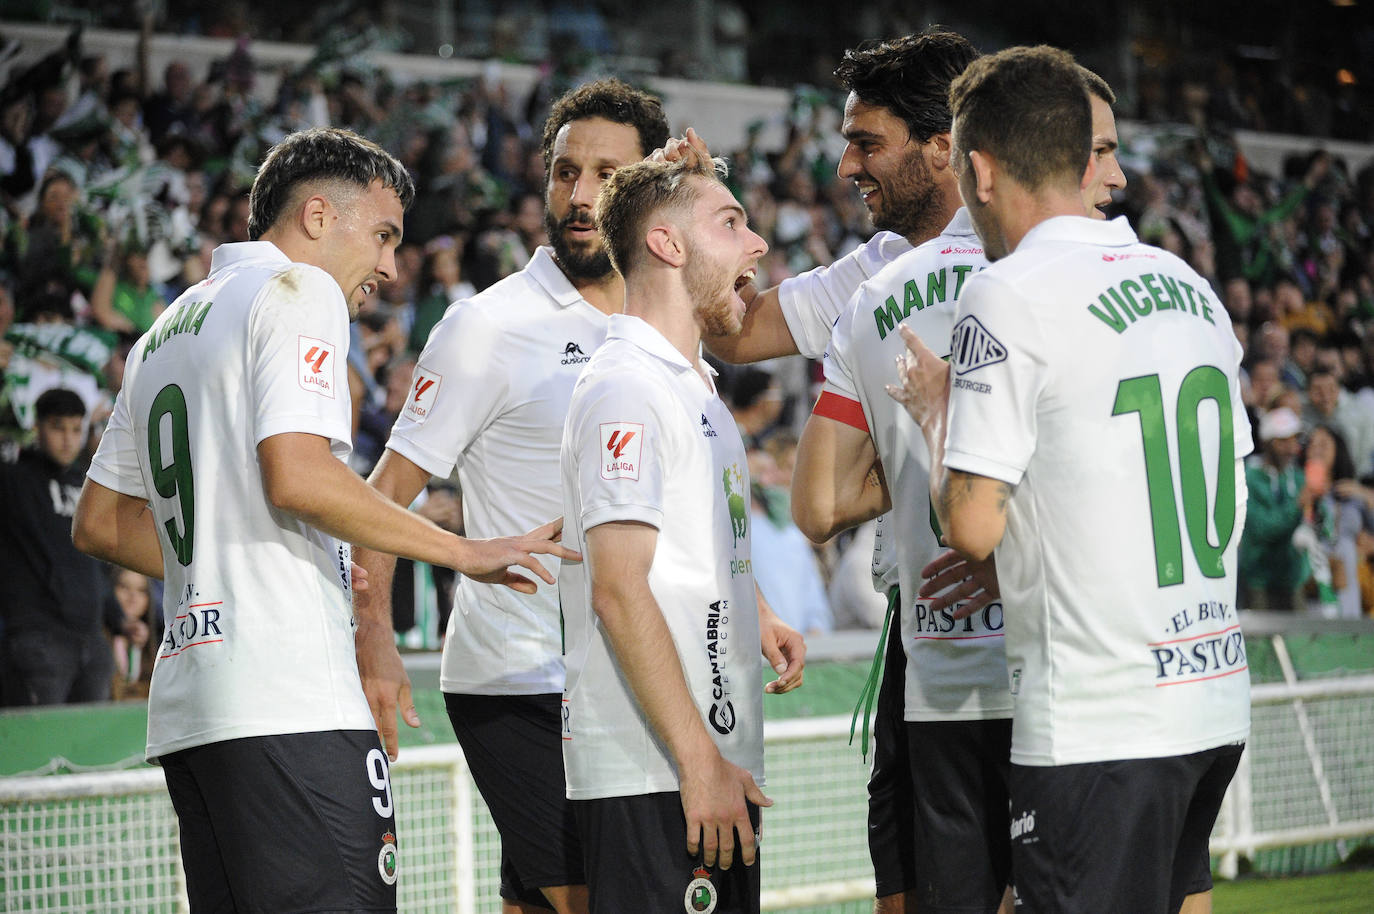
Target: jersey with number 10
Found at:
259, 634
1099, 377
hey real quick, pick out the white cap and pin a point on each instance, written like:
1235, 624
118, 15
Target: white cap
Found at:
1281, 422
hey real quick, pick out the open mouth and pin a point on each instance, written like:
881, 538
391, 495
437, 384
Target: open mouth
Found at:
745, 278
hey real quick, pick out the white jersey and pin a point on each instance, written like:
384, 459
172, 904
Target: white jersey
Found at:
489, 395
1099, 376
259, 634
956, 669
647, 442
811, 303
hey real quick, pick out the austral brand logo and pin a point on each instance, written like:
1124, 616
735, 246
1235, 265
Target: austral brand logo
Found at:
386, 859
424, 392
973, 347
706, 430
722, 712
621, 444
316, 366
701, 895
573, 355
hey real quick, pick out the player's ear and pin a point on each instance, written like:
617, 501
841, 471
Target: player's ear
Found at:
941, 149
984, 173
665, 242
316, 213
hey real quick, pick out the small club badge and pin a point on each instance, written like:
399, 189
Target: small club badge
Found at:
386, 859
701, 895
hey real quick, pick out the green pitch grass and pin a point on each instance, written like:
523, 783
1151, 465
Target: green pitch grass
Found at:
1330, 893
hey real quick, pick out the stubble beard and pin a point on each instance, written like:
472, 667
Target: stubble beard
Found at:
711, 296
590, 264
911, 201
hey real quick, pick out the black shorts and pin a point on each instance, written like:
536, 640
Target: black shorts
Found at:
301, 822
891, 807
637, 860
1123, 836
514, 749
959, 775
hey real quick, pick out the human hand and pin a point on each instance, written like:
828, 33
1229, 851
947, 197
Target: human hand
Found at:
489, 561
785, 649
924, 381
682, 148
385, 681
713, 801
136, 630
961, 580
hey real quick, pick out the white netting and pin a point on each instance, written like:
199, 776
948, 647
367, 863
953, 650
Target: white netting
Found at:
107, 843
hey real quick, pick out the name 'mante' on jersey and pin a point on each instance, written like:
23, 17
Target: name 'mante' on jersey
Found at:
956, 669
1100, 379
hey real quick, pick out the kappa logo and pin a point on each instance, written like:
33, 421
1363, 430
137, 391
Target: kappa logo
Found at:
706, 430
317, 370
973, 347
701, 896
621, 444
573, 355
424, 392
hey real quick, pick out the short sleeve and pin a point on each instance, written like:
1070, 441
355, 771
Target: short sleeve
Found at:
997, 370
460, 386
621, 444
839, 399
298, 352
813, 301
115, 464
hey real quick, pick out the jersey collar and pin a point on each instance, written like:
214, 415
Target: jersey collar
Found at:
961, 224
642, 334
1081, 230
236, 252
544, 270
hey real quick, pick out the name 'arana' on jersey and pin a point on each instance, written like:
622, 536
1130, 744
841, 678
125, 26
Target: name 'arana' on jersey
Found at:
189, 318
1150, 293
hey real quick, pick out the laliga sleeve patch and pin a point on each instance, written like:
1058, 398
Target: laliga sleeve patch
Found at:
973, 347
424, 393
315, 366
620, 448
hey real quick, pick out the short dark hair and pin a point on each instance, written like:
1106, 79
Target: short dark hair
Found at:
909, 76
1026, 107
321, 154
58, 403
616, 101
637, 191
1096, 85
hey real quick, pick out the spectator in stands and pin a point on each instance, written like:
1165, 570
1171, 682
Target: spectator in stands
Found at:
124, 299
1272, 568
756, 403
135, 633
784, 564
1329, 404
54, 649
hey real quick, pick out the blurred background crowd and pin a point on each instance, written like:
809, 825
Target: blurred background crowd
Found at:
117, 183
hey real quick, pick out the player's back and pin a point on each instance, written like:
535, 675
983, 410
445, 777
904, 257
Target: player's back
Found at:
259, 637
1119, 555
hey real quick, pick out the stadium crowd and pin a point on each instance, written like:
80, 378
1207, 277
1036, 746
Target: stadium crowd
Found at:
115, 187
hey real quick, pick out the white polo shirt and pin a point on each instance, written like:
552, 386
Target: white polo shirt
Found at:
811, 303
259, 634
1100, 377
489, 395
647, 441
956, 669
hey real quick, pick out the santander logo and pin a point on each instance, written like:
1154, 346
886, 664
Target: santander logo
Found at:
1112, 258
955, 249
